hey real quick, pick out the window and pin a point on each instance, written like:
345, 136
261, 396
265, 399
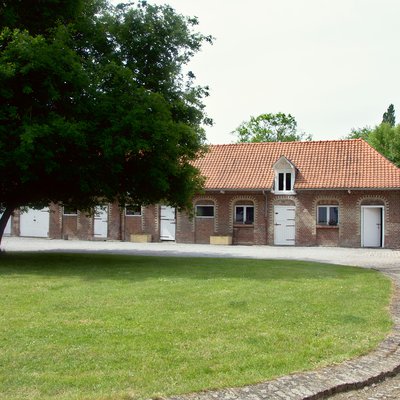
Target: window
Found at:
133, 211
69, 211
328, 215
284, 181
244, 214
206, 211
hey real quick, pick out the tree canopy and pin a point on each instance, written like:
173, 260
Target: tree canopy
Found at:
384, 137
360, 133
278, 127
94, 104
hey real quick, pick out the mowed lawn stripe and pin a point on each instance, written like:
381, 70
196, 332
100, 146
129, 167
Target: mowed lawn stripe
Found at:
92, 326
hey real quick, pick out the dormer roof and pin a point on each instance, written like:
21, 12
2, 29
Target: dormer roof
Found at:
334, 164
283, 163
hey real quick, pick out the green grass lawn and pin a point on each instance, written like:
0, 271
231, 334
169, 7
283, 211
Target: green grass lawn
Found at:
122, 327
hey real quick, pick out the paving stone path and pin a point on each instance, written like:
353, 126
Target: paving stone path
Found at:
363, 373
389, 389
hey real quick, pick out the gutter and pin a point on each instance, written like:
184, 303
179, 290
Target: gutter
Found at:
263, 190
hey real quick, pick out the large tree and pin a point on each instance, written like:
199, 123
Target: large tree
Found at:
384, 137
278, 127
94, 105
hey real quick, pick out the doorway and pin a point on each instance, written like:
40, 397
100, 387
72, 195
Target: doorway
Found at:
100, 223
167, 223
372, 228
284, 225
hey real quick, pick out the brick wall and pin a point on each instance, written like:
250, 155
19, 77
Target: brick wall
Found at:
115, 216
79, 226
120, 226
55, 224
327, 236
190, 229
243, 235
132, 225
308, 233
199, 230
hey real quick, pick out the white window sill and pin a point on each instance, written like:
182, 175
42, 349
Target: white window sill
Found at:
283, 192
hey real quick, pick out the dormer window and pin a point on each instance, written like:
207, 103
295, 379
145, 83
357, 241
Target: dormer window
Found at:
284, 181
285, 173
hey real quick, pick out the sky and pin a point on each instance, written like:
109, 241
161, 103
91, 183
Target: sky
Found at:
332, 64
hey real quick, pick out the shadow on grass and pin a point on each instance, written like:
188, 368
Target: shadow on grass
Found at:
91, 266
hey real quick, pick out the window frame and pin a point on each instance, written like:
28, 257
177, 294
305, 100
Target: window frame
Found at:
245, 207
138, 214
328, 207
205, 205
286, 175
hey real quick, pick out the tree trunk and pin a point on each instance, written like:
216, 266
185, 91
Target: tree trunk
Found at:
4, 219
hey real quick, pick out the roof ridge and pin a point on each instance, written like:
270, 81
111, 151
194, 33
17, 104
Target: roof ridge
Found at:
291, 142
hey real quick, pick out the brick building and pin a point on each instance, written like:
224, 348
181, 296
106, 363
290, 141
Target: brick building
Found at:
323, 193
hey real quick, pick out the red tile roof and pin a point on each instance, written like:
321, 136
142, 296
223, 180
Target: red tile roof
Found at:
334, 164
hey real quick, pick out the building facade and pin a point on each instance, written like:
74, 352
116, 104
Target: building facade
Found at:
328, 193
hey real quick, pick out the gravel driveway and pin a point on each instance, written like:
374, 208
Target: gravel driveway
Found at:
370, 258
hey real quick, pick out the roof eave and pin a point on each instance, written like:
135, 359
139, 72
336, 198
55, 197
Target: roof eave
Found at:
349, 188
236, 189
257, 189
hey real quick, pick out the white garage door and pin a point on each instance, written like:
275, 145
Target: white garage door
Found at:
35, 223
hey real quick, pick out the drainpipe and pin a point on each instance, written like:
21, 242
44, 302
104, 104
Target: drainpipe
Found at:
266, 205
61, 211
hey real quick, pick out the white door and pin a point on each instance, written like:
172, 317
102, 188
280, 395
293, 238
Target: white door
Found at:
100, 225
284, 225
168, 223
35, 223
7, 229
372, 226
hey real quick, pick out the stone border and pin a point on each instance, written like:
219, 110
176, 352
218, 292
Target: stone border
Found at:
357, 373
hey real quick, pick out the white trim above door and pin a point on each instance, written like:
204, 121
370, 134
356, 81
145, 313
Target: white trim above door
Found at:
372, 226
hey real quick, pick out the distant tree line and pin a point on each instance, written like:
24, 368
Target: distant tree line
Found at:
282, 127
